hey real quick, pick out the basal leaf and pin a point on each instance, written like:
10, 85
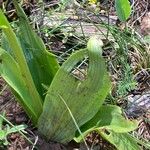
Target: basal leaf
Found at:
42, 64
83, 97
123, 9
122, 141
10, 71
18, 56
108, 117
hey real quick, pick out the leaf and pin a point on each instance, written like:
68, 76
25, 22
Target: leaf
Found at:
123, 9
35, 64
35, 104
122, 141
7, 130
42, 64
16, 128
83, 98
108, 117
2, 134
10, 71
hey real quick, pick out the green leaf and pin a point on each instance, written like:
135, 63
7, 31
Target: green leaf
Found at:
16, 129
10, 71
35, 99
2, 134
108, 117
7, 130
42, 64
123, 9
122, 141
83, 97
37, 67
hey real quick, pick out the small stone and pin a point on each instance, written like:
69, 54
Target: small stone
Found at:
145, 24
138, 104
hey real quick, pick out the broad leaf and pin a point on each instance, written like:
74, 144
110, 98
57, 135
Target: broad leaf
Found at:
19, 59
108, 117
10, 71
123, 9
42, 64
83, 97
122, 141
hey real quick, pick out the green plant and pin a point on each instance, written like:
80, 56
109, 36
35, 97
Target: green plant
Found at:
109, 119
26, 64
123, 9
127, 83
27, 67
122, 64
5, 131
